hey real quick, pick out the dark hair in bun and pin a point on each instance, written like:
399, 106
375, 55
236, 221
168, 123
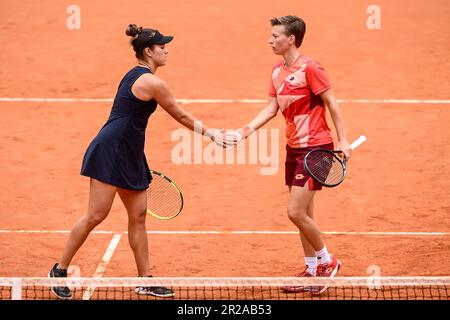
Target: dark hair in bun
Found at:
133, 30
140, 38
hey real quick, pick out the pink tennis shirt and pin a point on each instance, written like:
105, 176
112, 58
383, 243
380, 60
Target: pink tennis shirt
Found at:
297, 90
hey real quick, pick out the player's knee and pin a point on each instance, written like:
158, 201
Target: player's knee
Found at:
94, 219
297, 215
137, 218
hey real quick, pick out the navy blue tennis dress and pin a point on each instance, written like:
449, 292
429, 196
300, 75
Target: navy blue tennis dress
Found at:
116, 155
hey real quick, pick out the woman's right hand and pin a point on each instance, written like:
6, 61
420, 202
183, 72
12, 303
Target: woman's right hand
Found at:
218, 136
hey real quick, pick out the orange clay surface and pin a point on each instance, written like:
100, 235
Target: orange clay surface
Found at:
397, 181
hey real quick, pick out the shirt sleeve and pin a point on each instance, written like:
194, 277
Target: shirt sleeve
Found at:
317, 78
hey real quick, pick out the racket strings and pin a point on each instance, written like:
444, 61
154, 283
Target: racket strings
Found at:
325, 167
163, 199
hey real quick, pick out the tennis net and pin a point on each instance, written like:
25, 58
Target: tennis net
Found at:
256, 288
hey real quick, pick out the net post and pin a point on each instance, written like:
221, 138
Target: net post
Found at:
16, 289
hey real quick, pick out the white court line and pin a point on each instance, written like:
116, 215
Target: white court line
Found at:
103, 264
199, 232
245, 101
395, 101
55, 231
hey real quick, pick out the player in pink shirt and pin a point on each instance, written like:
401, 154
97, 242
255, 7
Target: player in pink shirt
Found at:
300, 88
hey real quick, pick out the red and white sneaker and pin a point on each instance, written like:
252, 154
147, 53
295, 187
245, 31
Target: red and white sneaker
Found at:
293, 289
326, 270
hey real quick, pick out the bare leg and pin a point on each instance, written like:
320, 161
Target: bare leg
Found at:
307, 247
101, 197
136, 204
299, 205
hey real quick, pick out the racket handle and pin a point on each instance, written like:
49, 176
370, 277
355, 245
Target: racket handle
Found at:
355, 144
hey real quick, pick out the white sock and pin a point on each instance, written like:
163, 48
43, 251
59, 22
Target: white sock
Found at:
323, 257
311, 265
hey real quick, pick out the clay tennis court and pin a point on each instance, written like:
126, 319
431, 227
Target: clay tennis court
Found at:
390, 215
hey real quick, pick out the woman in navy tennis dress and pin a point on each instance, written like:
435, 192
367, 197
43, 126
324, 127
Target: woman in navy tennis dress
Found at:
116, 155
115, 159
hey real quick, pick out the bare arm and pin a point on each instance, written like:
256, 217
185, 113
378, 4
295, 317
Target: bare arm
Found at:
267, 114
336, 115
150, 87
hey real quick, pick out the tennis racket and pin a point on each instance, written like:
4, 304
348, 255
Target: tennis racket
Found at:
164, 198
328, 167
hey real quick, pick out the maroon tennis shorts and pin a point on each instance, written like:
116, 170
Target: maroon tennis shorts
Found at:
295, 173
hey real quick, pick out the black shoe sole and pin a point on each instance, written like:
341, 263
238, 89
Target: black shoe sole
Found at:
168, 295
56, 294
